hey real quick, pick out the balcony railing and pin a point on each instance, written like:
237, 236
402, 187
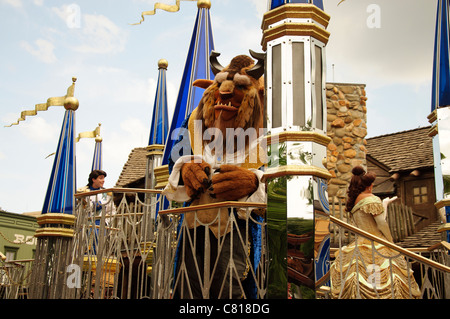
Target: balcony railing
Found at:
14, 278
223, 256
131, 248
113, 244
136, 246
431, 274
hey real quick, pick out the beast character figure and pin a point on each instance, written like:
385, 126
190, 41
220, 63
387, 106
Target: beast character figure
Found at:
219, 159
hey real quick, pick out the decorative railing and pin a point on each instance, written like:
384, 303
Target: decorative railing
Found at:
136, 246
14, 278
219, 252
113, 244
131, 248
431, 274
399, 217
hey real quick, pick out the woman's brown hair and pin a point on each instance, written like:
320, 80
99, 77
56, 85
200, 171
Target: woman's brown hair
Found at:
360, 181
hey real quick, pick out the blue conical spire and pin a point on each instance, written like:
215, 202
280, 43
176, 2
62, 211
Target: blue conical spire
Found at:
160, 121
62, 185
197, 67
277, 3
97, 161
441, 66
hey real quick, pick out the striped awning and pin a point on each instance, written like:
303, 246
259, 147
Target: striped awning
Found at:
62, 185
441, 65
160, 121
277, 3
197, 66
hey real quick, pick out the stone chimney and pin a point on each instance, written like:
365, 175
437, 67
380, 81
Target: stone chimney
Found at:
347, 128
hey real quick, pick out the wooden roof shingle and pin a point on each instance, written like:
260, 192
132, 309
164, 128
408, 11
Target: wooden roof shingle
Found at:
134, 168
403, 151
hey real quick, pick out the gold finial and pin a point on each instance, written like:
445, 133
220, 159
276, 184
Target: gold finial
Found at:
71, 103
163, 64
204, 4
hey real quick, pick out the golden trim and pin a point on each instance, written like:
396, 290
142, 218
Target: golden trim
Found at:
295, 11
54, 232
432, 117
433, 131
301, 136
110, 264
296, 170
155, 147
154, 153
162, 176
295, 29
442, 203
56, 218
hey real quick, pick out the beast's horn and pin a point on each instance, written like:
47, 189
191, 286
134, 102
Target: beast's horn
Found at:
216, 67
258, 70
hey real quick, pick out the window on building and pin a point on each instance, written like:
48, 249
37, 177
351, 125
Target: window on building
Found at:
420, 195
10, 253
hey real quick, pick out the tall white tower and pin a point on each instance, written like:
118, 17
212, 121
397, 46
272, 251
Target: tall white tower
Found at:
294, 38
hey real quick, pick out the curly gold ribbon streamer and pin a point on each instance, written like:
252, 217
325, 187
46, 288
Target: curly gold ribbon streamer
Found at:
52, 101
340, 2
90, 134
161, 6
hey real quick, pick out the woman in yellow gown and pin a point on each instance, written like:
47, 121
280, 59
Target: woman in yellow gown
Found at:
365, 272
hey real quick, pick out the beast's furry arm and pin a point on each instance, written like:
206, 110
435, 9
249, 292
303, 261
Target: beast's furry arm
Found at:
233, 183
195, 177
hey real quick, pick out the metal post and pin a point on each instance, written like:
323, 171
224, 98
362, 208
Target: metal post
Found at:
296, 177
439, 117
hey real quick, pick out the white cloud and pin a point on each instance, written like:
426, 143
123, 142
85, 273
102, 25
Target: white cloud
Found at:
119, 86
96, 33
261, 7
70, 14
38, 130
101, 35
117, 145
400, 51
14, 3
43, 50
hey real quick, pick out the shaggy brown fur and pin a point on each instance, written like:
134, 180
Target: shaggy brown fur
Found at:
233, 100
247, 99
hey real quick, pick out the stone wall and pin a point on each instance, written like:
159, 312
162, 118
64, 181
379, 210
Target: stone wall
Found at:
347, 128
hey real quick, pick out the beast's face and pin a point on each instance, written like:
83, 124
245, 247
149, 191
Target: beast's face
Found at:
234, 99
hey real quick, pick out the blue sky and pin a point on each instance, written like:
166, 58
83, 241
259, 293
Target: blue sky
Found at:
45, 43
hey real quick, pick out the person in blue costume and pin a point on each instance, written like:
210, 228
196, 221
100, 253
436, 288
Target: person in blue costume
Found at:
96, 181
205, 169
99, 204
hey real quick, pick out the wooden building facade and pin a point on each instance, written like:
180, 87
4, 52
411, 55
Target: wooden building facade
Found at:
404, 166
